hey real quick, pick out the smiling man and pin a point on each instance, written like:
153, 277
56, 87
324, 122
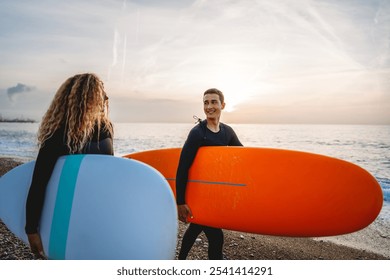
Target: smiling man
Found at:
209, 132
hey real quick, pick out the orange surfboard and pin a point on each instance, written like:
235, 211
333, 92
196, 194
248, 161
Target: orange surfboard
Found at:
273, 191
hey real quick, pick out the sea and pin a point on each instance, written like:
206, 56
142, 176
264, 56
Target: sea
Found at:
365, 145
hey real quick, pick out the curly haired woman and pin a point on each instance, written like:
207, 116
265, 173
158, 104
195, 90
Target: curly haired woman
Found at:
76, 123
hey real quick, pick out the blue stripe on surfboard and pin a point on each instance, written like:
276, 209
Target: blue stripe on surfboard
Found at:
63, 207
211, 182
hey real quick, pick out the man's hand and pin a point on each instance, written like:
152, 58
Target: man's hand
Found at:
183, 211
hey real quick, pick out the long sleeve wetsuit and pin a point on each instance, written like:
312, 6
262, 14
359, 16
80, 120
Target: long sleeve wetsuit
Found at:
50, 151
200, 136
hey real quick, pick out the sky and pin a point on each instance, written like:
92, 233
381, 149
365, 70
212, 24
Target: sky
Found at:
280, 61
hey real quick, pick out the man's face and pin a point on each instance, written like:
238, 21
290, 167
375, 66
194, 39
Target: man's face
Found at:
212, 106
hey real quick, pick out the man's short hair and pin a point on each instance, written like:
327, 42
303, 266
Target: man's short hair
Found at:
215, 91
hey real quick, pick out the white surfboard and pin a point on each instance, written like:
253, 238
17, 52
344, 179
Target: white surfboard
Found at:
96, 207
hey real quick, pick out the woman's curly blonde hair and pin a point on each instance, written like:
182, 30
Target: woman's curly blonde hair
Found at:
79, 106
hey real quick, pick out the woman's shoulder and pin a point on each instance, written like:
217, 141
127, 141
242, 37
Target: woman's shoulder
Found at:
102, 132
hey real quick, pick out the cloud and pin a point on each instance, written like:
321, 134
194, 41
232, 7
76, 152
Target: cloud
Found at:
18, 89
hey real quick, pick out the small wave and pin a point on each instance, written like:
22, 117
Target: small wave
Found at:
385, 184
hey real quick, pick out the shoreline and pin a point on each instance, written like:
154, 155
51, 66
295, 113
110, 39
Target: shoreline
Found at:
367, 244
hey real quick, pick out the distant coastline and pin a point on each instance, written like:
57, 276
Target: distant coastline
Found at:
17, 120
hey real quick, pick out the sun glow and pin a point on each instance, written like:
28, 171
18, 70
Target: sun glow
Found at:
237, 90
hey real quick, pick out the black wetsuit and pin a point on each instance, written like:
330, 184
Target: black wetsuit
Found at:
200, 136
53, 148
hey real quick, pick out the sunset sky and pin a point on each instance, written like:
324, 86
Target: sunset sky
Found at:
304, 61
